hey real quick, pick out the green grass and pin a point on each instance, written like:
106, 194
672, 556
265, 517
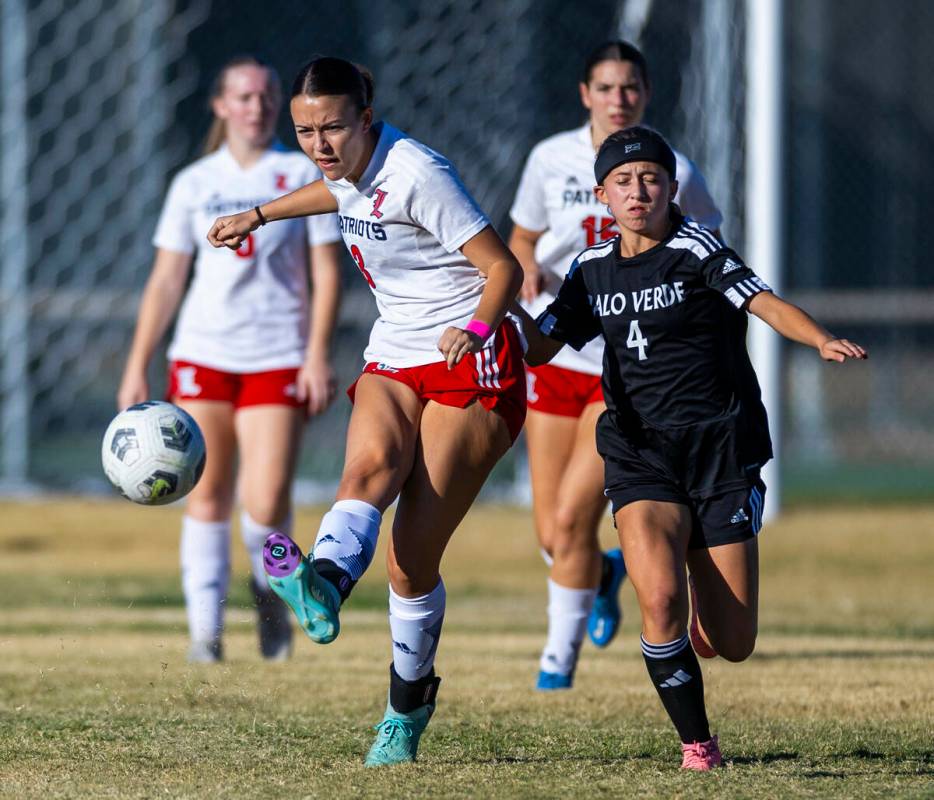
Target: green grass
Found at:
96, 699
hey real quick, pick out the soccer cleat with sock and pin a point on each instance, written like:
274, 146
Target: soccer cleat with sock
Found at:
272, 622
553, 681
701, 646
606, 615
701, 756
410, 706
291, 575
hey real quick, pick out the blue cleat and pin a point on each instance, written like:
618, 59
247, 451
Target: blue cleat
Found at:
397, 736
605, 616
553, 681
291, 575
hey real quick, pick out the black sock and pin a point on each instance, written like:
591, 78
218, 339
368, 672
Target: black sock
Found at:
677, 677
334, 574
406, 696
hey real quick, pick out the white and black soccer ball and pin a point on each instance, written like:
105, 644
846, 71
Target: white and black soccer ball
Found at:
153, 453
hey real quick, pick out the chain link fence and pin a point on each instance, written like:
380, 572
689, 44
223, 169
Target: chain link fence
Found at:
102, 101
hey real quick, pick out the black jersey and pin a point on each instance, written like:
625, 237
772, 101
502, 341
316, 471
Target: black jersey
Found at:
674, 323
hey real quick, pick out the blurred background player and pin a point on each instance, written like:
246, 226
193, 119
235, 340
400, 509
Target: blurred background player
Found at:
555, 215
442, 395
246, 362
685, 433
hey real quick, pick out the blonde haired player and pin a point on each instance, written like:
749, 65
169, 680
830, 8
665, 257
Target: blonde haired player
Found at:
442, 395
556, 214
246, 361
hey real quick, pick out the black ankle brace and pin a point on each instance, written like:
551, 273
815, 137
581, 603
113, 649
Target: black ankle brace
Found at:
334, 574
406, 696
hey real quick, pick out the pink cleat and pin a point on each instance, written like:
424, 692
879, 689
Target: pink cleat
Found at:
701, 645
701, 756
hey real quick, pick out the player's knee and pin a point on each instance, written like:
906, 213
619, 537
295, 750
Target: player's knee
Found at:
571, 544
363, 472
660, 608
269, 509
412, 579
209, 507
567, 523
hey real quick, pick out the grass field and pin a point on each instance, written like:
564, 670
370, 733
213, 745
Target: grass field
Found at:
96, 699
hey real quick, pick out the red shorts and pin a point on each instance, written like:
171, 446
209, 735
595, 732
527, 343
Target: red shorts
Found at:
566, 392
494, 377
276, 387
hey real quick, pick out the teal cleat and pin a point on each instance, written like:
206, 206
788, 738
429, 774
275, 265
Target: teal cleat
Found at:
397, 736
605, 616
315, 601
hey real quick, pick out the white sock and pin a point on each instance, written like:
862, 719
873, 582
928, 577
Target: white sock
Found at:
415, 623
205, 556
254, 537
546, 557
568, 610
348, 535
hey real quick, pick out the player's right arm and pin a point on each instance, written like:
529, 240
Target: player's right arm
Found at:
158, 304
569, 319
541, 348
522, 243
313, 198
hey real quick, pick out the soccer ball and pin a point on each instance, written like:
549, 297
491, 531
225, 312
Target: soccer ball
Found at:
153, 453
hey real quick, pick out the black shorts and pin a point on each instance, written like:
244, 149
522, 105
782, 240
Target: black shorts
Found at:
696, 467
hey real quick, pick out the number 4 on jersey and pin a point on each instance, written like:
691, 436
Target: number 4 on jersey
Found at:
637, 340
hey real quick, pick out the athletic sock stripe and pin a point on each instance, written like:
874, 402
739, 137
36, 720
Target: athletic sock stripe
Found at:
667, 650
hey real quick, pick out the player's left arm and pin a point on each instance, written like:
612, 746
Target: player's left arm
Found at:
795, 324
316, 381
489, 254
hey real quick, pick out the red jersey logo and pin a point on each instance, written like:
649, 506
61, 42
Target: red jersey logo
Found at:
379, 196
281, 182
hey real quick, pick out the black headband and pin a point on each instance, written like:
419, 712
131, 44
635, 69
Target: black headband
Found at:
641, 148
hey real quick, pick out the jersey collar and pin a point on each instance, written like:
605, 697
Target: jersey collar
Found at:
677, 220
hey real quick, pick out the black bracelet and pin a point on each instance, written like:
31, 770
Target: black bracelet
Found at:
262, 219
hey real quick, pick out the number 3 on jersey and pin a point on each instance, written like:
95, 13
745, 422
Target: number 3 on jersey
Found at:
637, 340
358, 260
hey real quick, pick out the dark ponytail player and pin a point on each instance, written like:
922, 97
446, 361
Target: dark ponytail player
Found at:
685, 432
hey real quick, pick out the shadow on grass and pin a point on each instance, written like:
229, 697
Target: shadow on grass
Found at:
843, 655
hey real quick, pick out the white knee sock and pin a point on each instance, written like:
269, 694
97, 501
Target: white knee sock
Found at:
568, 610
205, 556
254, 537
415, 623
347, 536
546, 557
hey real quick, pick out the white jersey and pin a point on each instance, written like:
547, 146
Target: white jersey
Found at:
556, 196
403, 223
246, 310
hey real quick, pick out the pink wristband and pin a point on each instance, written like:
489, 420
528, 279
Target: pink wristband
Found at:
480, 328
